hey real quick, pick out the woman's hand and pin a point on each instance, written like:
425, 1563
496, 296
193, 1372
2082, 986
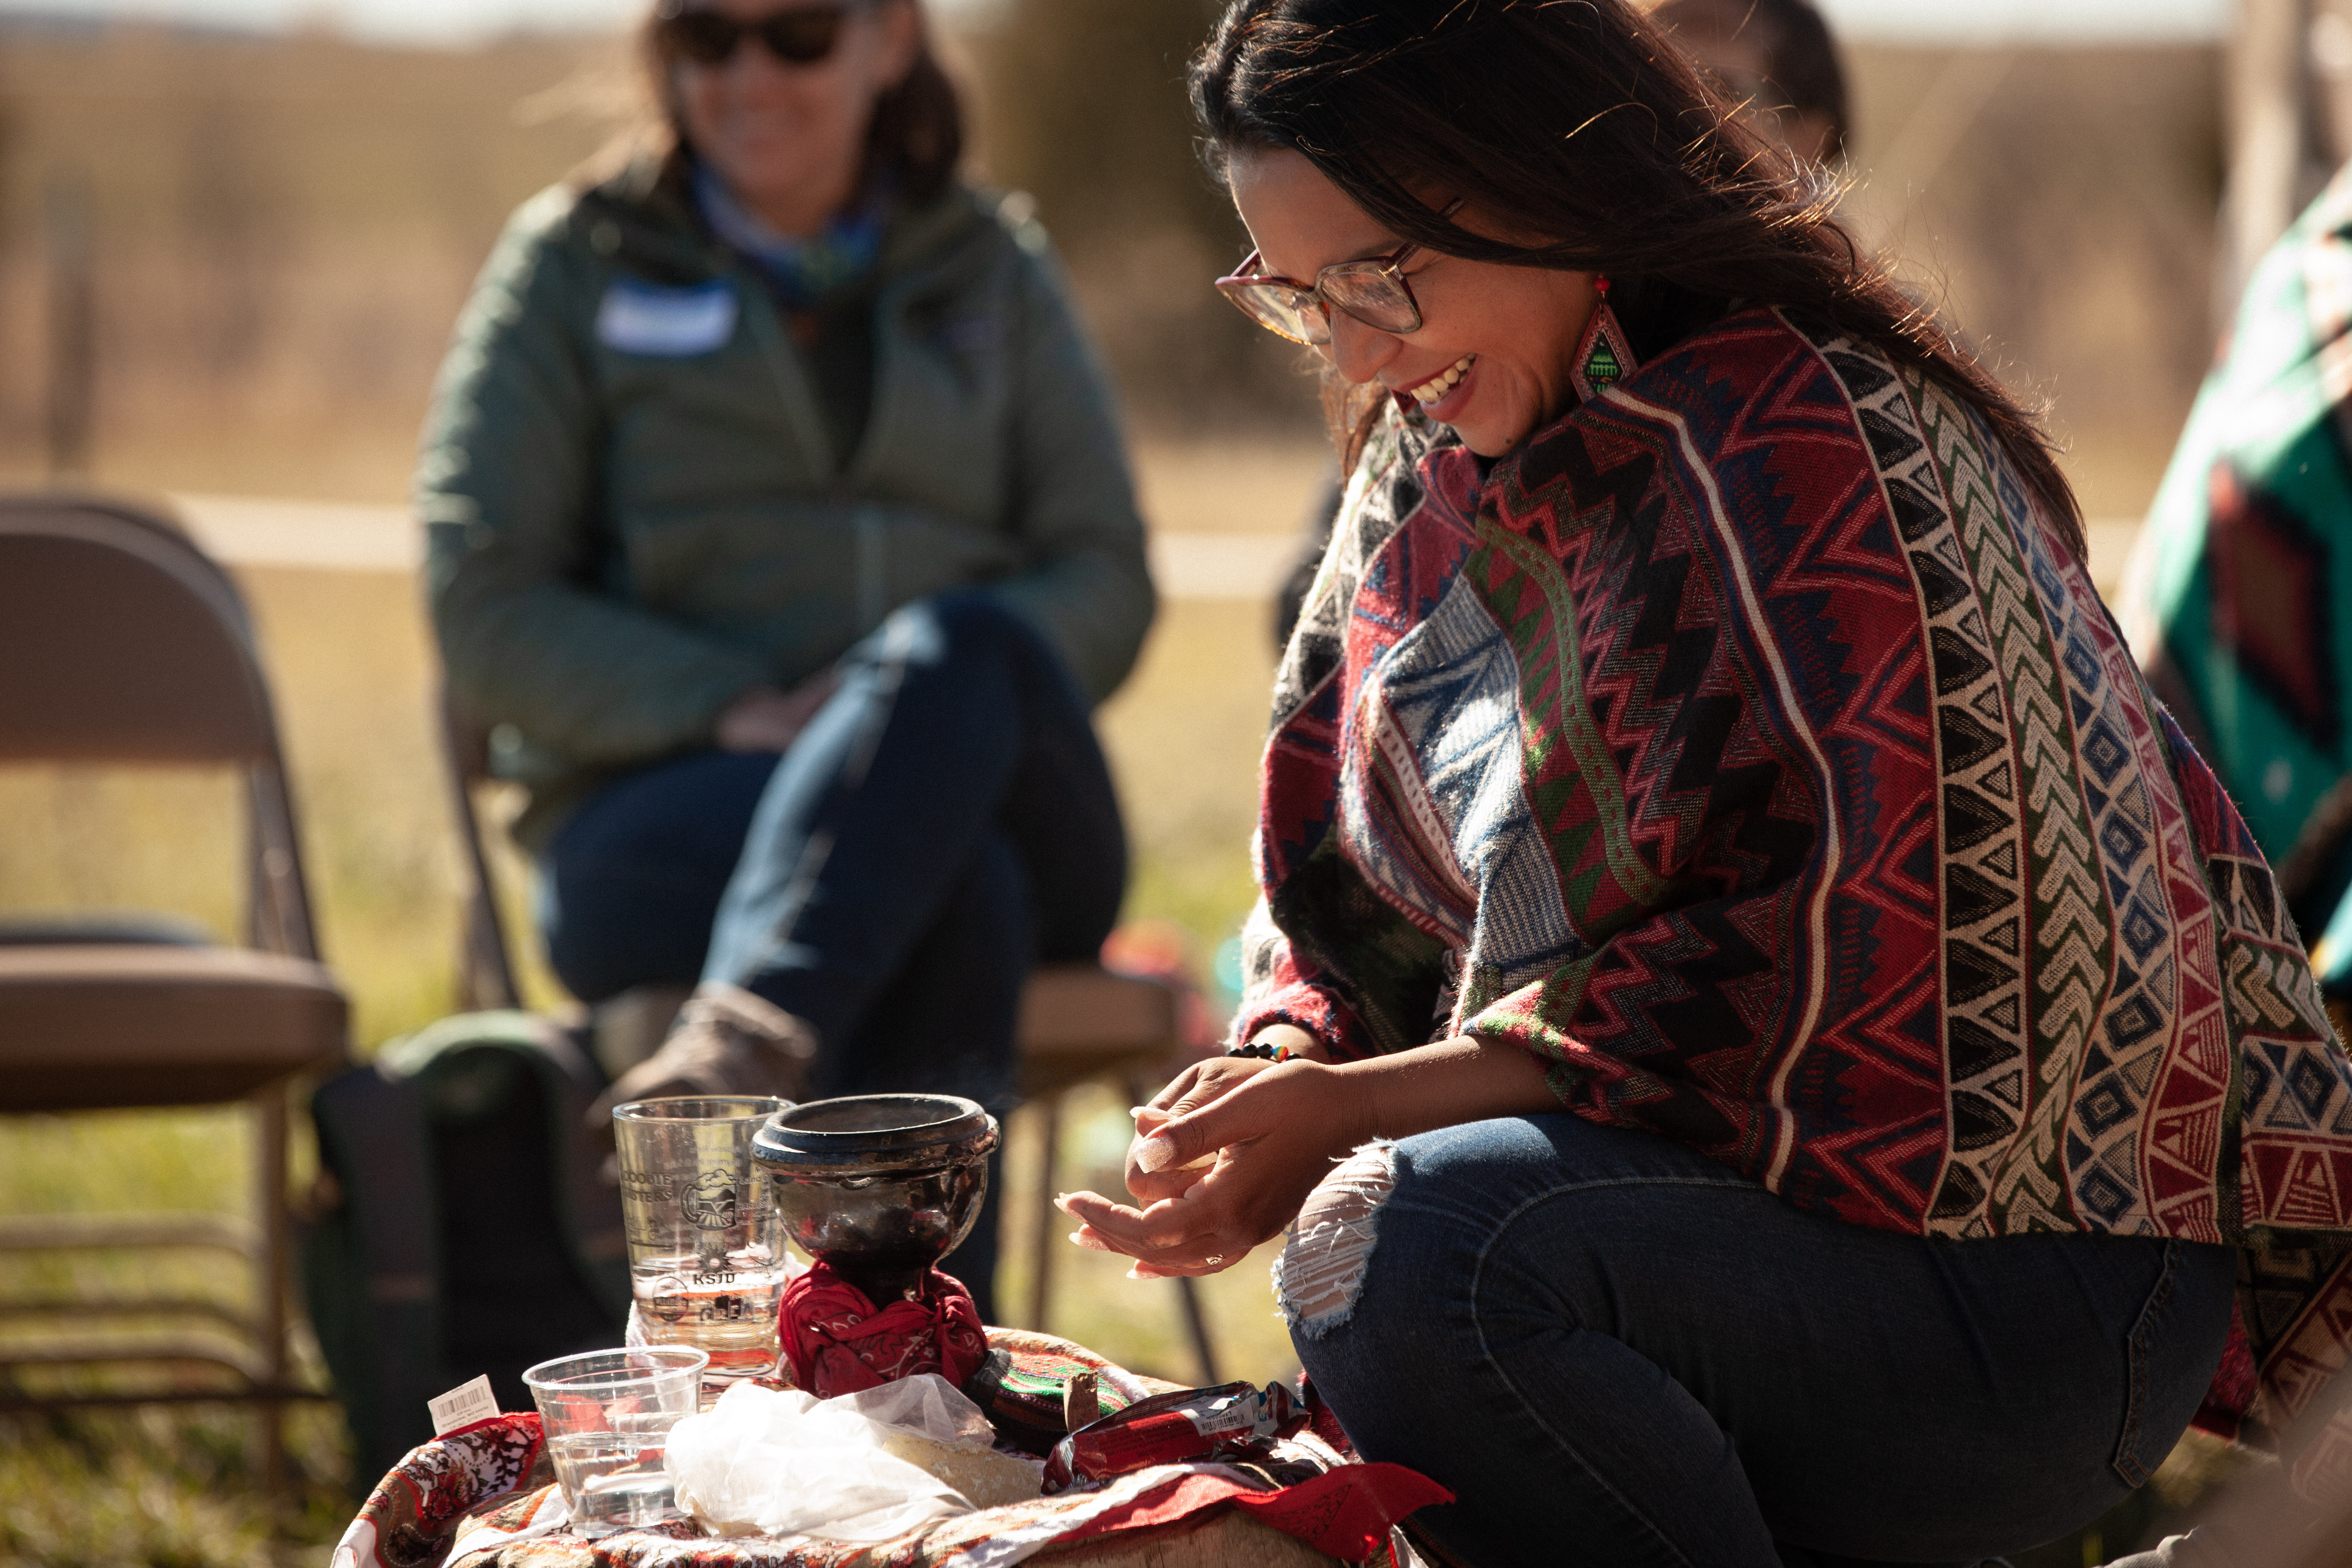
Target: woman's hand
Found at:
1270, 1131
766, 720
1196, 1086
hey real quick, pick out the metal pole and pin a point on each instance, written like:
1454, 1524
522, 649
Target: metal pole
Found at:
274, 1280
73, 321
1041, 1265
1196, 1324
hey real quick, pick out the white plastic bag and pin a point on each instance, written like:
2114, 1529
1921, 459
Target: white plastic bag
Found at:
924, 1403
768, 1462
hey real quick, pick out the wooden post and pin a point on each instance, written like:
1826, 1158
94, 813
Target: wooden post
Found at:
72, 336
2273, 151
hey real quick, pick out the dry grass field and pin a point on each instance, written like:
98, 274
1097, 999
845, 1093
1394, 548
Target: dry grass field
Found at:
284, 229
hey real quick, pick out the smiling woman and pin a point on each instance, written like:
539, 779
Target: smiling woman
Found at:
1746, 1023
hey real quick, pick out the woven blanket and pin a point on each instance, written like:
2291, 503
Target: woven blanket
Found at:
1749, 746
484, 1497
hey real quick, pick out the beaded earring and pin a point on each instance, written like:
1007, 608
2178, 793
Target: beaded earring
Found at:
1603, 357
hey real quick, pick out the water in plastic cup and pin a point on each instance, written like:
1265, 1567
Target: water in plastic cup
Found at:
607, 1415
706, 1259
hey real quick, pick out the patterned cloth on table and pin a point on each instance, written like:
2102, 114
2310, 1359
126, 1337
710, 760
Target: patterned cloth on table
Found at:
1748, 745
2236, 600
485, 1497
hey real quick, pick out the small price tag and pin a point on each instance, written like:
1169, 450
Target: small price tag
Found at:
463, 1405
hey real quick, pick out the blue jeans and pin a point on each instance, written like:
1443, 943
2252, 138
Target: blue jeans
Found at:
1615, 1351
946, 820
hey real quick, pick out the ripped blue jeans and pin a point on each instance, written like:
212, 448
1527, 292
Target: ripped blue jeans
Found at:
1616, 1351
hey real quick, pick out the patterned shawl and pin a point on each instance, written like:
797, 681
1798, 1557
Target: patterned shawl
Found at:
1748, 746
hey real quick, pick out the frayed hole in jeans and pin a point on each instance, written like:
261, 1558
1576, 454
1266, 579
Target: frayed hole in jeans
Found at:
1322, 1270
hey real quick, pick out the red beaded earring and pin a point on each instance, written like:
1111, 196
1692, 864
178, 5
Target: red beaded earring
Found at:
1603, 357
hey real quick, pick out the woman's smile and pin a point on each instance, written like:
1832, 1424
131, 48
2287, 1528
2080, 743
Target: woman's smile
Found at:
1448, 386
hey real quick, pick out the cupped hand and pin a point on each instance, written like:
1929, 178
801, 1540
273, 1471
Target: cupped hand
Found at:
1271, 1131
1201, 1084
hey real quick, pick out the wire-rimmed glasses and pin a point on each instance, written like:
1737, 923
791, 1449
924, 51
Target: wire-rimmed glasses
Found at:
1372, 288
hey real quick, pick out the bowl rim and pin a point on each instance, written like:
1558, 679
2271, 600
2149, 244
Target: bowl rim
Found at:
963, 1131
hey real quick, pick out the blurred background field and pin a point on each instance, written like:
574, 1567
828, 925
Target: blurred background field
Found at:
280, 230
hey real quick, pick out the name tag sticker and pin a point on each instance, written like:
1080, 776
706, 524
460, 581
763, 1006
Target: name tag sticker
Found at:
671, 324
463, 1405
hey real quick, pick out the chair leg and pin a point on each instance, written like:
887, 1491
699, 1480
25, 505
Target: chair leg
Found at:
1041, 1263
1196, 1323
274, 1277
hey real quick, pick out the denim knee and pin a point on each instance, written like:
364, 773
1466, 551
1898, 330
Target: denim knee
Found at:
957, 629
1320, 1273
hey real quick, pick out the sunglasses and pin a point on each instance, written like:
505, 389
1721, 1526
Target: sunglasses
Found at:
1374, 290
800, 37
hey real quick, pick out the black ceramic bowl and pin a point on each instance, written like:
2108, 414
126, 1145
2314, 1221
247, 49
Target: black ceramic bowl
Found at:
881, 1186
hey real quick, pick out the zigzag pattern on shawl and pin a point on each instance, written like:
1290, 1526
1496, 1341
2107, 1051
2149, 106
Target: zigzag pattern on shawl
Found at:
2267, 1138
1828, 622
2163, 994
2071, 944
1715, 667
2295, 1084
1537, 569
2295, 1090
1981, 854
1585, 563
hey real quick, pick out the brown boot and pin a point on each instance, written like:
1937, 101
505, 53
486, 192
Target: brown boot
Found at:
727, 1041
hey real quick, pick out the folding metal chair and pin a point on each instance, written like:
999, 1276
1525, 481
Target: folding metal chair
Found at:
121, 643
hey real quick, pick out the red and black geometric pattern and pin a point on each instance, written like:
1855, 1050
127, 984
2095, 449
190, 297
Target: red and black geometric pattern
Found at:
1874, 870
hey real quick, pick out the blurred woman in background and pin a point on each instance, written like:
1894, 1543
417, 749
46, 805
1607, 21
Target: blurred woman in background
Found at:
780, 522
1773, 61
1809, 1051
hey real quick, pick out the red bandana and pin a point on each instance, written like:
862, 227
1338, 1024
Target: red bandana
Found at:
837, 1342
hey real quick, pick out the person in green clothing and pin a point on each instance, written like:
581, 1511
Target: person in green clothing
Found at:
780, 525
2236, 599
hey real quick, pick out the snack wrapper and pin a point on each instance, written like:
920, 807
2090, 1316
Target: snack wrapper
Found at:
1225, 1422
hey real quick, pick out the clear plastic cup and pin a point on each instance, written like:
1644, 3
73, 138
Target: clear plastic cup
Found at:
607, 1415
706, 1259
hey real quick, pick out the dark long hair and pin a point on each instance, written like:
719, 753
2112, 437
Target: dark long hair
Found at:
916, 133
1574, 121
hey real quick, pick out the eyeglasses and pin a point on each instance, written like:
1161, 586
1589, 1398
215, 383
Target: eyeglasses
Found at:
800, 37
1373, 290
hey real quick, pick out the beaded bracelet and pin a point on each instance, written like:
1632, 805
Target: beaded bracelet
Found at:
1265, 1050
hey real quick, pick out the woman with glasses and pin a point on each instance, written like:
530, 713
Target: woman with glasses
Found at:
1768, 1046
781, 526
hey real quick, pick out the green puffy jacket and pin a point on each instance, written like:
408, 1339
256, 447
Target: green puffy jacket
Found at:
636, 513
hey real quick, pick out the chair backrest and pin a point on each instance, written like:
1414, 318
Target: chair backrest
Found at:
122, 642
